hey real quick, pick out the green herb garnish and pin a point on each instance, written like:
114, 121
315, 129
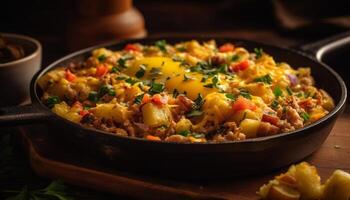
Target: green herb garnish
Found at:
101, 58
131, 81
230, 96
258, 52
175, 93
122, 61
277, 92
235, 58
93, 96
115, 69
139, 98
187, 77
106, 89
194, 113
55, 190
156, 88
51, 101
244, 93
155, 72
161, 44
274, 104
141, 72
290, 92
264, 79
305, 116
184, 133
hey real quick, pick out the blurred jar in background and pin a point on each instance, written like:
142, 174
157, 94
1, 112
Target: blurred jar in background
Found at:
95, 22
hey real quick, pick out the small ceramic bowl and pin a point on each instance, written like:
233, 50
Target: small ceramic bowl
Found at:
15, 76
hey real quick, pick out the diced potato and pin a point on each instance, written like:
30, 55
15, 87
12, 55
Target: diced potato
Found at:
250, 127
154, 115
217, 105
62, 89
327, 101
101, 51
63, 110
245, 114
116, 112
183, 124
261, 90
337, 186
51, 77
308, 181
281, 192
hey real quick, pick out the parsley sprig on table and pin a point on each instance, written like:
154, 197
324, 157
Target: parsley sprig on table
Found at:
55, 190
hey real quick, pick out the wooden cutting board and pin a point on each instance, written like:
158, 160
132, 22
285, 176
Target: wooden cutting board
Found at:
52, 160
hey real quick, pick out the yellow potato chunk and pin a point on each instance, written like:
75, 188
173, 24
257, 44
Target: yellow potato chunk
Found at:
65, 111
154, 115
337, 186
308, 181
250, 127
281, 192
115, 112
183, 124
217, 105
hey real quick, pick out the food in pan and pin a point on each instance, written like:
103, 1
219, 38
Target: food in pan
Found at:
186, 92
302, 182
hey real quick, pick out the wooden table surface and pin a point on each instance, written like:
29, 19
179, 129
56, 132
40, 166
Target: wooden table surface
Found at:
51, 161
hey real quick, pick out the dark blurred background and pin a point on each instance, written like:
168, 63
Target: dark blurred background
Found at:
288, 22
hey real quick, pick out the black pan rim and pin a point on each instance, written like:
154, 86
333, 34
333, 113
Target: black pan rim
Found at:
296, 133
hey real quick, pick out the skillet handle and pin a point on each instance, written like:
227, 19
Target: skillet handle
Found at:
320, 48
22, 115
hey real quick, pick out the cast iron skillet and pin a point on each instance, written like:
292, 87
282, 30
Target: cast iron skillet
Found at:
205, 160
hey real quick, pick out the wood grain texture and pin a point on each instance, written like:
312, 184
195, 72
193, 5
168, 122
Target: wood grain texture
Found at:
50, 160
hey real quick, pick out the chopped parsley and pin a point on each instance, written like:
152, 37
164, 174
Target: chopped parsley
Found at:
131, 81
230, 96
122, 61
93, 96
290, 92
204, 79
141, 72
51, 101
187, 77
121, 78
277, 92
184, 133
106, 89
101, 58
161, 44
274, 104
235, 58
139, 98
214, 82
175, 93
155, 72
264, 79
244, 93
194, 113
198, 102
156, 88
115, 69
258, 52
305, 116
